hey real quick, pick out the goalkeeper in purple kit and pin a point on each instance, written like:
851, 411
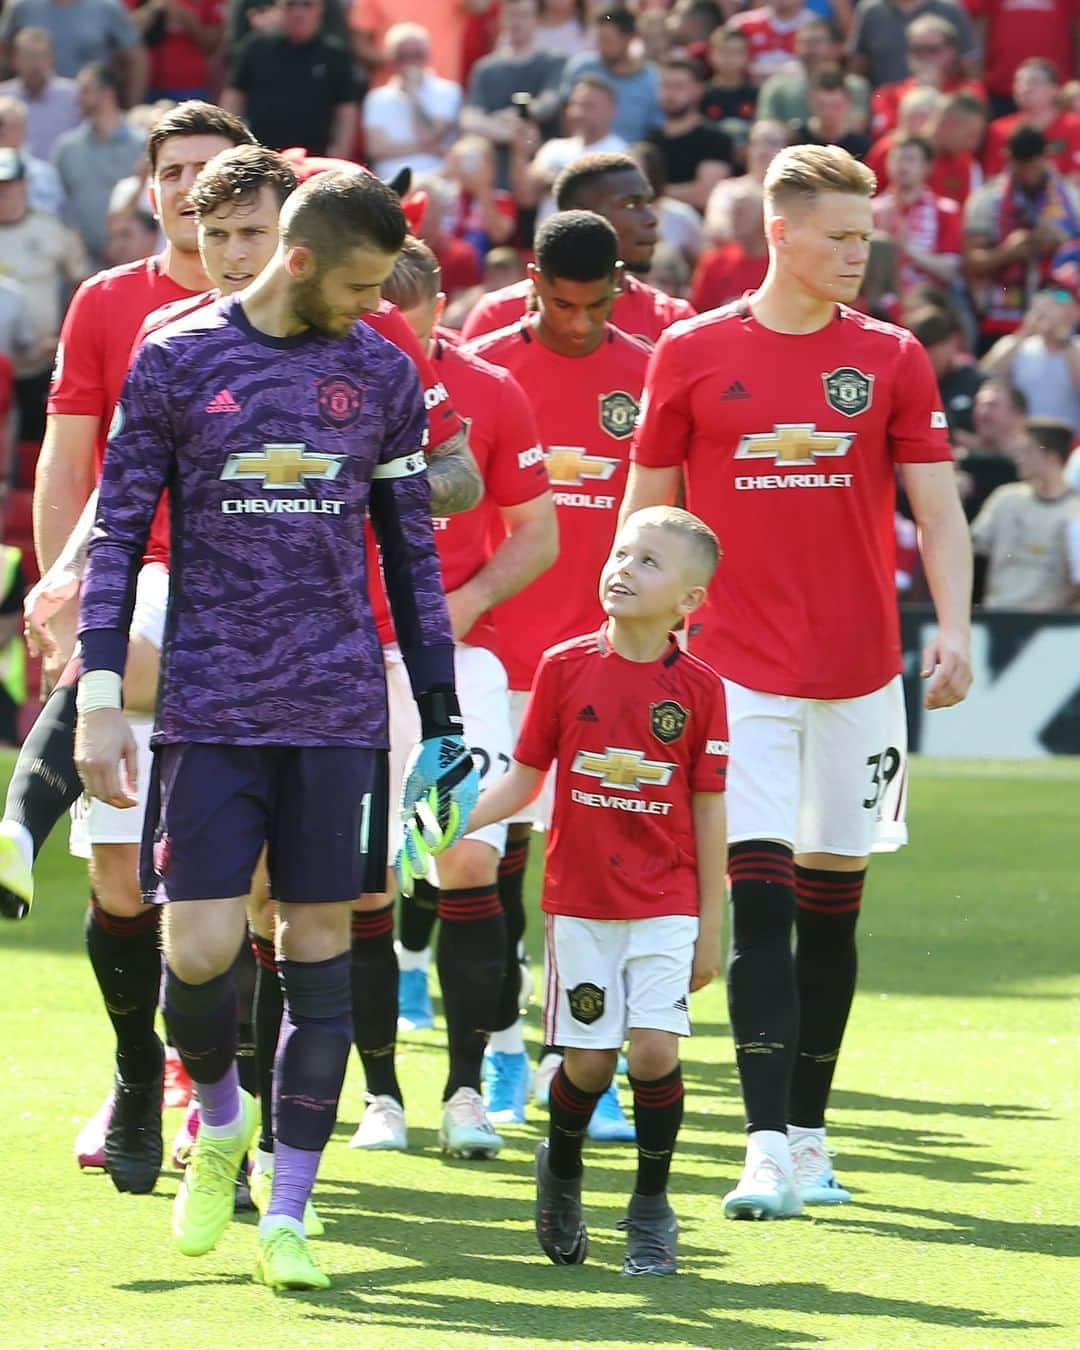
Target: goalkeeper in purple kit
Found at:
276, 424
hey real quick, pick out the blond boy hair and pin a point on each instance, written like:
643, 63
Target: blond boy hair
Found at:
800, 173
701, 543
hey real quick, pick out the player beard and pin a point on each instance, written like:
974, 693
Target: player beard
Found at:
310, 307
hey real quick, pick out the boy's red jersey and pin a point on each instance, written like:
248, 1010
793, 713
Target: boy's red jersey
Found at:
634, 741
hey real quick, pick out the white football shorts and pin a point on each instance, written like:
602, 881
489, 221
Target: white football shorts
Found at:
93, 821
822, 776
603, 977
485, 708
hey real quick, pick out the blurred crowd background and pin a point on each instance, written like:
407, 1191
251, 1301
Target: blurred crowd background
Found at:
968, 113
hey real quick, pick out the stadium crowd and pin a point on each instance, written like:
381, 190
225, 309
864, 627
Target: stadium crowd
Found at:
530, 142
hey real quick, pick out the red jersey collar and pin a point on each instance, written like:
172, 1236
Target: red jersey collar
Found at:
605, 648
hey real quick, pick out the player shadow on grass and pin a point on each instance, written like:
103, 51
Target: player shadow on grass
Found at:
692, 1307
949, 1228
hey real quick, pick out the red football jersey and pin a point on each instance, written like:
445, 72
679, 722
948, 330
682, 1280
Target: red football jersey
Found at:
585, 409
772, 40
886, 100
505, 444
933, 224
797, 476
641, 310
1062, 142
1018, 29
105, 314
634, 741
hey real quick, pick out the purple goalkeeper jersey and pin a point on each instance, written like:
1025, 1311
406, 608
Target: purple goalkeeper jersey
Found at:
273, 451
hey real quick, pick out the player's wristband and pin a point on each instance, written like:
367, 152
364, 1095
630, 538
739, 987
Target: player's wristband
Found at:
98, 689
440, 712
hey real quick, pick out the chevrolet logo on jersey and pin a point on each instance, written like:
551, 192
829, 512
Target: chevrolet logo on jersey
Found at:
281, 467
795, 443
572, 466
623, 768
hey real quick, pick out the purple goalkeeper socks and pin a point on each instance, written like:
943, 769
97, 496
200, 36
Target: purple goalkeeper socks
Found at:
219, 1103
294, 1180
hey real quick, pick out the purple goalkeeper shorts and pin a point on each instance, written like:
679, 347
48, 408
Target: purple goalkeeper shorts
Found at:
322, 812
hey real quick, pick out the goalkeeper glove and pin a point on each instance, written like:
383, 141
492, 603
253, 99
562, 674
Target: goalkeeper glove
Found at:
441, 782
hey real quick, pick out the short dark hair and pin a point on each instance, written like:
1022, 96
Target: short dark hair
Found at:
586, 172
828, 79
417, 276
919, 142
335, 212
1026, 143
932, 325
102, 73
1052, 435
195, 118
964, 101
686, 63
576, 246
619, 17
236, 175
1016, 396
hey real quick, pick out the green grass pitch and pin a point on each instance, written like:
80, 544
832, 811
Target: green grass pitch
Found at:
954, 1118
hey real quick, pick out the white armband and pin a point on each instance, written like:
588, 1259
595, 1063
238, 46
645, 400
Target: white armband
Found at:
407, 466
98, 689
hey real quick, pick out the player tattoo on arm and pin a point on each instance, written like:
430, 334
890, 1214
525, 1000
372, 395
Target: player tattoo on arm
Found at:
454, 479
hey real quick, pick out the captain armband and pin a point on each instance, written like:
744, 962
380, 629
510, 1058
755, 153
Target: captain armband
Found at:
407, 466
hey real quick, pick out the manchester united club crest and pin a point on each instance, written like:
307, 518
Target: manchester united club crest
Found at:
340, 401
586, 1003
848, 390
668, 720
618, 413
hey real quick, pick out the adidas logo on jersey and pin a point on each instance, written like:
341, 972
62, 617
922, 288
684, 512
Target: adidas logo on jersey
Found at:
588, 714
734, 390
222, 402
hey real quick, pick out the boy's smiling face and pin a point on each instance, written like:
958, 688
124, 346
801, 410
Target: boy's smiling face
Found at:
650, 574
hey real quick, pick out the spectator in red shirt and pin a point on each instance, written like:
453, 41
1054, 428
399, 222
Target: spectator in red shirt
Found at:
958, 137
919, 112
771, 32
180, 36
1037, 92
926, 229
933, 51
729, 271
1010, 32
480, 213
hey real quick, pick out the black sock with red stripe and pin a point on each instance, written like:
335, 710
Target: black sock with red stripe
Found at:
126, 960
266, 1014
471, 954
762, 998
375, 999
417, 916
826, 965
658, 1113
511, 884
570, 1109
244, 969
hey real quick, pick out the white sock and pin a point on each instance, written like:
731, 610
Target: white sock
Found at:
264, 1162
408, 960
773, 1144
17, 831
509, 1041
272, 1221
804, 1131
229, 1131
